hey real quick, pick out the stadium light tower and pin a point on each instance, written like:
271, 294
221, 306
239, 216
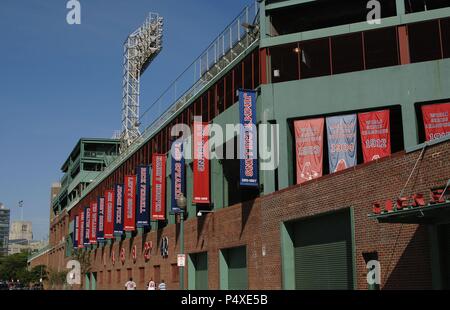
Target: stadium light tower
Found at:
140, 48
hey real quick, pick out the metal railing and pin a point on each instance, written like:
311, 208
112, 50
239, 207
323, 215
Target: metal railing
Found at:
234, 41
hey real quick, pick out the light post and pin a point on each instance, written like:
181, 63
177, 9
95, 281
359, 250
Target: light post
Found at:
181, 203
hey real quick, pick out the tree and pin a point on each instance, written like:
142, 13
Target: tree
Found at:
57, 279
14, 267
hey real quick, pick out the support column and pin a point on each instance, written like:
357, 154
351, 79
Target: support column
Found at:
403, 44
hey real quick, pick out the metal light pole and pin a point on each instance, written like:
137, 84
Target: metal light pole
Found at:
181, 203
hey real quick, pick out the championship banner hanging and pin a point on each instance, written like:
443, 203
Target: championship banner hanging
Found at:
309, 149
109, 214
118, 209
341, 142
158, 187
375, 134
201, 164
87, 225
81, 231
130, 203
143, 197
178, 173
248, 139
76, 231
101, 219
436, 119
94, 211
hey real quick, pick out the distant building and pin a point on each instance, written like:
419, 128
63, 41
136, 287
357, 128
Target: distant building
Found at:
4, 229
21, 230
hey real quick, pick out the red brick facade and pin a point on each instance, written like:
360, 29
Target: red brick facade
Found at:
404, 250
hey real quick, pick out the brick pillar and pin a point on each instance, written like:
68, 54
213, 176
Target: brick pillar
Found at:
403, 44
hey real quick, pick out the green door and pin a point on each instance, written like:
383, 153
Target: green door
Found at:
200, 261
87, 280
237, 268
323, 253
93, 281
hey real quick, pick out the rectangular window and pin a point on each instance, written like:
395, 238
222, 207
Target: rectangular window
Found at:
229, 90
424, 41
175, 273
381, 48
413, 6
141, 275
284, 61
445, 35
256, 68
220, 97
315, 58
157, 273
347, 53
118, 279
237, 81
109, 277
129, 273
248, 72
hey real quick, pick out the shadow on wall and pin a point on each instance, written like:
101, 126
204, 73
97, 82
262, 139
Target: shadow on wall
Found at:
413, 269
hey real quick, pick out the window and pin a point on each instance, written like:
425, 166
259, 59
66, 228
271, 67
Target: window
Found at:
381, 48
445, 30
413, 6
220, 97
118, 280
347, 53
129, 273
284, 60
109, 276
229, 90
314, 58
248, 72
424, 41
157, 273
141, 275
237, 81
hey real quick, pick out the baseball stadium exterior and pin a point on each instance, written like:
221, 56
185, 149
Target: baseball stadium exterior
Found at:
361, 112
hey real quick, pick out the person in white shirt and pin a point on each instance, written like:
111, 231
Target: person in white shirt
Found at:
130, 285
151, 285
162, 286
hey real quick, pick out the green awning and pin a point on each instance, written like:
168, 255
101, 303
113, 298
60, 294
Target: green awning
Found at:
431, 214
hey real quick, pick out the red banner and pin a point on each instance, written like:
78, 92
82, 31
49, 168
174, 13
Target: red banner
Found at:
130, 203
158, 187
109, 214
436, 119
375, 134
93, 233
309, 149
201, 164
81, 231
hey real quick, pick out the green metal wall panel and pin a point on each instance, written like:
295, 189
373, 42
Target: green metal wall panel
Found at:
237, 269
200, 261
323, 252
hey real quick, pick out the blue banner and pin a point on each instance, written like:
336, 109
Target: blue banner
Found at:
118, 209
341, 134
178, 174
248, 139
87, 225
101, 219
143, 197
76, 227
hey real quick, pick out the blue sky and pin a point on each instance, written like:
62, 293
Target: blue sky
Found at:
60, 82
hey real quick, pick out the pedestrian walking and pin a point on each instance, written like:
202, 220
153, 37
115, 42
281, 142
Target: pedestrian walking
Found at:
130, 285
162, 286
151, 285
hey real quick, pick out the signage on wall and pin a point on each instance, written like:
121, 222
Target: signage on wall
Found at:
436, 119
122, 255
109, 214
143, 197
164, 248
101, 219
248, 139
130, 203
134, 253
181, 260
118, 209
94, 211
341, 133
178, 174
375, 134
76, 231
81, 231
309, 149
201, 164
148, 246
87, 225
159, 187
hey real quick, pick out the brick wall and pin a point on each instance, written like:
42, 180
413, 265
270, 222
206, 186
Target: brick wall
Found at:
403, 249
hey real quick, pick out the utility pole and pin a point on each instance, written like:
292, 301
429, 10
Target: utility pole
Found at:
21, 210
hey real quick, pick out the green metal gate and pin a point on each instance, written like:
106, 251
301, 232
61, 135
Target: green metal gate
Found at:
200, 261
237, 268
323, 252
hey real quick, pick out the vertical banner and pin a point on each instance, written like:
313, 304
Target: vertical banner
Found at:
178, 173
94, 211
436, 119
143, 197
309, 149
81, 230
341, 142
248, 139
158, 187
87, 225
375, 134
101, 219
76, 231
201, 164
130, 203
109, 214
118, 209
